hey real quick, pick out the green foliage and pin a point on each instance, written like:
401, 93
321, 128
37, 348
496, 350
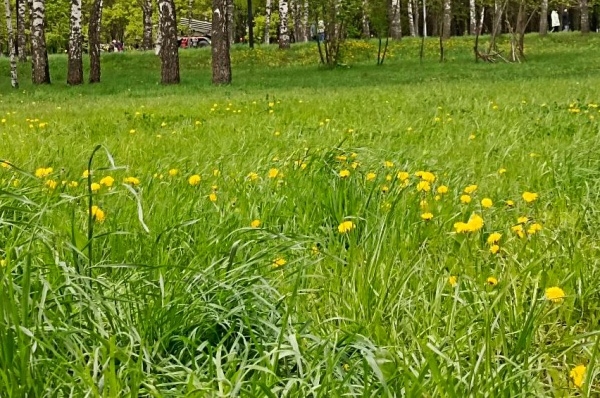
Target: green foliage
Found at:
192, 305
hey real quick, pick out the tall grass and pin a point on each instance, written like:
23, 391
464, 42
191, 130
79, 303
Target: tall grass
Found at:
175, 293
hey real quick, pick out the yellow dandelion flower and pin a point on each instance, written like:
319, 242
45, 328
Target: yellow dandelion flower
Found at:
530, 197
577, 375
452, 280
534, 229
487, 203
470, 189
475, 223
173, 172
131, 180
494, 238
442, 189
510, 203
194, 180
388, 177
465, 199
51, 184
95, 187
279, 262
346, 226
5, 164
212, 197
426, 176
494, 249
522, 219
43, 172
216, 173
255, 223
388, 164
555, 294
73, 184
423, 186
385, 189
341, 158
427, 216
252, 176
107, 181
518, 229
371, 176
98, 214
402, 175
273, 173
345, 173
502, 171
492, 281
461, 227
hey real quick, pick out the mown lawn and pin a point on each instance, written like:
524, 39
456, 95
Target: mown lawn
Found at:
415, 229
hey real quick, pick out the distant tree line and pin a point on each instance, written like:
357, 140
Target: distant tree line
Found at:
35, 28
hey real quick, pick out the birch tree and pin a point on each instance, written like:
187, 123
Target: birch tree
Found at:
394, 14
230, 21
284, 36
75, 63
585, 20
169, 51
366, 31
147, 29
21, 37
305, 28
473, 17
221, 61
447, 20
39, 56
94, 40
14, 82
268, 7
411, 20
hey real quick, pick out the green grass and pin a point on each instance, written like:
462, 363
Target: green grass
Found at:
175, 294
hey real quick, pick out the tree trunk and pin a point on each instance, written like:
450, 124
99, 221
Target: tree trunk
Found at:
497, 25
424, 18
366, 31
268, 21
39, 57
411, 19
231, 21
147, 35
94, 40
305, 28
14, 81
544, 18
221, 62
585, 20
21, 36
169, 52
447, 25
75, 71
473, 17
416, 3
394, 13
284, 37
297, 18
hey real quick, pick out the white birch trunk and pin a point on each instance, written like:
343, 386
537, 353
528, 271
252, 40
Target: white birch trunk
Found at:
424, 18
366, 31
75, 72
14, 81
284, 36
268, 7
411, 20
21, 37
39, 60
472, 18
305, 28
395, 27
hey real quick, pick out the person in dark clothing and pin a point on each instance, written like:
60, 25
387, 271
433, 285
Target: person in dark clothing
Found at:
565, 20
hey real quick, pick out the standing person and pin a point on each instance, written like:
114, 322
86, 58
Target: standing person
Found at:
565, 20
555, 21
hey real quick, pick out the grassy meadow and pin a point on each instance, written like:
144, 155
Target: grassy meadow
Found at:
416, 229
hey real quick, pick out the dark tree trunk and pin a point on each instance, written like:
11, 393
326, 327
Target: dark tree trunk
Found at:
21, 36
221, 62
75, 72
147, 11
447, 23
94, 40
544, 18
585, 20
39, 57
169, 51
